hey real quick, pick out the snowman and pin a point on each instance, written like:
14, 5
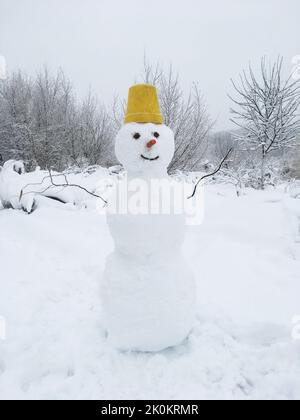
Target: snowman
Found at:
148, 292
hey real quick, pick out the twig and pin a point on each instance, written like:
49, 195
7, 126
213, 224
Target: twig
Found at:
67, 184
212, 174
38, 183
74, 185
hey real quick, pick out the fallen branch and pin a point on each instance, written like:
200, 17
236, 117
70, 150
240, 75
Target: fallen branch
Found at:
211, 174
75, 186
53, 184
22, 193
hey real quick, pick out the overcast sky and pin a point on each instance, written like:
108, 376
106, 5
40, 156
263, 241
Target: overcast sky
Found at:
101, 43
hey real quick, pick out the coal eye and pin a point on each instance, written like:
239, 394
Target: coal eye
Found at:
156, 134
136, 136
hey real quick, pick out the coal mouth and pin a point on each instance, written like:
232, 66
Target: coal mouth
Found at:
151, 159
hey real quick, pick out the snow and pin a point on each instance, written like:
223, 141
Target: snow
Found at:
11, 183
21, 190
246, 259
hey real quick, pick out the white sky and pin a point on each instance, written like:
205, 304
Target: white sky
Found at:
101, 43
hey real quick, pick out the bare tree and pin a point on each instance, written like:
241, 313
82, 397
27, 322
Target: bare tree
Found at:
15, 116
266, 111
51, 104
96, 132
42, 123
187, 116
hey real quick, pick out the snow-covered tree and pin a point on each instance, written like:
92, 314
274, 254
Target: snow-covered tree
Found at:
15, 117
96, 132
42, 123
266, 111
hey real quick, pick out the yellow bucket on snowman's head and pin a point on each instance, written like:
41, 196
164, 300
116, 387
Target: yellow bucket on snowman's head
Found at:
143, 105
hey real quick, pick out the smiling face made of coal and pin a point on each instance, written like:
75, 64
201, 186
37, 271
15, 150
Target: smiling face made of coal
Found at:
145, 149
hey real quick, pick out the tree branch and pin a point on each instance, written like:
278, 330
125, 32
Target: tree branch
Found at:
213, 173
74, 185
53, 184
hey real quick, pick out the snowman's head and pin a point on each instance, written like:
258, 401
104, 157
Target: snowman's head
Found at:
145, 149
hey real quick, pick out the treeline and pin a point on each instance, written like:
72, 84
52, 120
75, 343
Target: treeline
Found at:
44, 124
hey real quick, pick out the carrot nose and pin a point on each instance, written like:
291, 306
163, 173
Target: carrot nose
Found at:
151, 143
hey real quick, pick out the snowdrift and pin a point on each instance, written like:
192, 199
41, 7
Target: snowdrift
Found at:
21, 190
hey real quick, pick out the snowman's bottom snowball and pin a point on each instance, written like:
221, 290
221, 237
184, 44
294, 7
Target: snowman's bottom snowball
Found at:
147, 307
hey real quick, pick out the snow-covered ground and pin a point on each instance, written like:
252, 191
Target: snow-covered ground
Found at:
246, 258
